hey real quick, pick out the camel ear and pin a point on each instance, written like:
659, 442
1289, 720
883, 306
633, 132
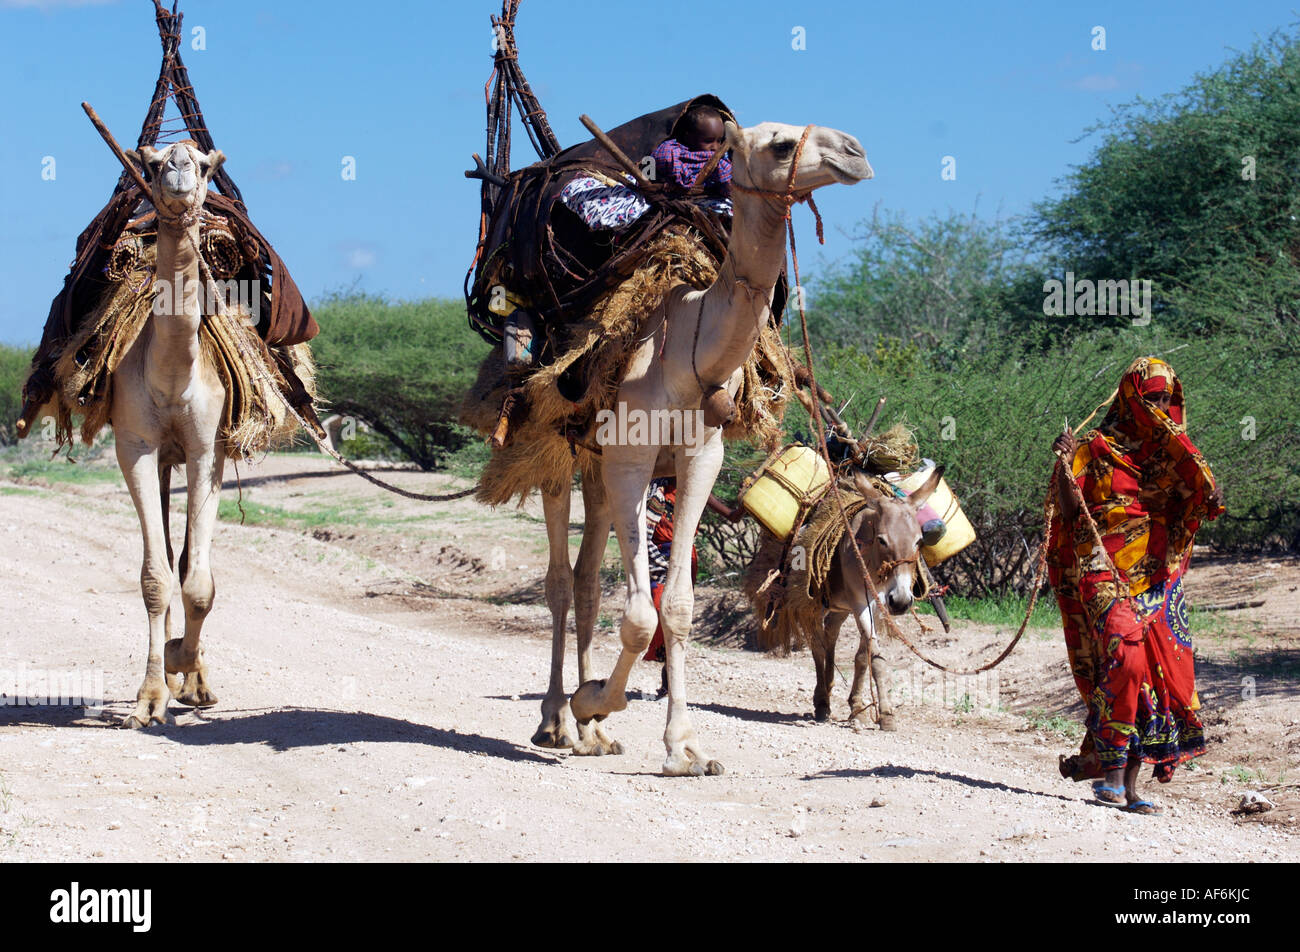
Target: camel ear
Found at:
917, 499
735, 137
210, 163
148, 157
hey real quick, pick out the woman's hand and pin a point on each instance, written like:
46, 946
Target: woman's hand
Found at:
1215, 498
1065, 445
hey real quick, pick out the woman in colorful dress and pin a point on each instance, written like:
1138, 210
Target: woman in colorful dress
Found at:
1147, 489
661, 499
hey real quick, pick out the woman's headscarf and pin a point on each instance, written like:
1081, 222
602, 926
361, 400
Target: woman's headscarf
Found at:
1147, 487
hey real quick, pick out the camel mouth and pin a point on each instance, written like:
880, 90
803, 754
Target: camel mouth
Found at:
849, 169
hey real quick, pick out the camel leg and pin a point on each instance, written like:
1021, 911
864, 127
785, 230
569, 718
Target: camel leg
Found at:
823, 650
165, 498
695, 478
553, 731
138, 460
586, 594
627, 471
203, 471
868, 653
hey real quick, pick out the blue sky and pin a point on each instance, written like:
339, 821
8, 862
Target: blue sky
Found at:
291, 88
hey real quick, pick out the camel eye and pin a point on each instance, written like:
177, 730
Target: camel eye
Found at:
881, 541
782, 149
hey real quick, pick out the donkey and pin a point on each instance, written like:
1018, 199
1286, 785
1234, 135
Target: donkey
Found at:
889, 537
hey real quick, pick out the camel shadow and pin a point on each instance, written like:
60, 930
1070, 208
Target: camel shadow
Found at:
889, 771
745, 714
285, 729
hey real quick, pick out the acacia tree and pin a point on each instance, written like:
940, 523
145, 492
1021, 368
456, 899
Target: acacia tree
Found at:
402, 368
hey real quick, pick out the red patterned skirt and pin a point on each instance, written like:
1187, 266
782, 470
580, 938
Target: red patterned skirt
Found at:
1137, 679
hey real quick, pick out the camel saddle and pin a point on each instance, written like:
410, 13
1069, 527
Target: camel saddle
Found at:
544, 254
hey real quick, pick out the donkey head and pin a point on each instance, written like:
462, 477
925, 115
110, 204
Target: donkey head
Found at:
889, 539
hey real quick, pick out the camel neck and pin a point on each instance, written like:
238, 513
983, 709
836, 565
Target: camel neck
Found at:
737, 304
177, 309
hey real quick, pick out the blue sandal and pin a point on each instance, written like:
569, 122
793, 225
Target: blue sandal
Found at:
1104, 794
1143, 808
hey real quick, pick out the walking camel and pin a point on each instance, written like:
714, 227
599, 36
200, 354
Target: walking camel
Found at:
167, 409
702, 343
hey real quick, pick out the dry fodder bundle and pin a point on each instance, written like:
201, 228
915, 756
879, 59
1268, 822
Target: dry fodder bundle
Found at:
220, 248
895, 450
599, 346
254, 417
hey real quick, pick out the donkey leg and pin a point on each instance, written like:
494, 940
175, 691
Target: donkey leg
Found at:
868, 655
553, 731
825, 662
138, 459
198, 589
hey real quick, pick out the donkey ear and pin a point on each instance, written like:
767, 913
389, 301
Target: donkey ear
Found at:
863, 485
917, 499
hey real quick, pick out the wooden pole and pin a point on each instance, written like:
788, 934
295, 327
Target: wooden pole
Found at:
117, 150
619, 155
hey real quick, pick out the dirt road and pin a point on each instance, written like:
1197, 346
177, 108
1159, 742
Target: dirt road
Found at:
379, 665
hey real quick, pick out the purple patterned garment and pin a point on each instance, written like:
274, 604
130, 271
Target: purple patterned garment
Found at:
673, 160
602, 206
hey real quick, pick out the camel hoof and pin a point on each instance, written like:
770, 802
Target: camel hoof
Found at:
194, 692
200, 697
887, 722
697, 770
552, 738
143, 718
714, 769
822, 714
598, 748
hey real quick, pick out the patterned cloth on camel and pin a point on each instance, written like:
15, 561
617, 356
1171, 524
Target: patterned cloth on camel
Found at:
1148, 490
546, 252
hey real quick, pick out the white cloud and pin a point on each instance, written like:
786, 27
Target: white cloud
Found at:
1096, 82
358, 257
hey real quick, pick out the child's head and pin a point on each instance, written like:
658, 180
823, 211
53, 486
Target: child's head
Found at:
701, 129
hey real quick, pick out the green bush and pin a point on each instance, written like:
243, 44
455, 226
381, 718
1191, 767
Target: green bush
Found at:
14, 364
401, 367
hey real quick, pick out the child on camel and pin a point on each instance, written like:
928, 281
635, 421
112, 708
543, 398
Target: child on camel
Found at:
679, 161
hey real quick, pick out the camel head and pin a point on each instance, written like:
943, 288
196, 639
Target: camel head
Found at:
889, 535
761, 156
178, 176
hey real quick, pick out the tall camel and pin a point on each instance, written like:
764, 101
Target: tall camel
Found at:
167, 410
702, 343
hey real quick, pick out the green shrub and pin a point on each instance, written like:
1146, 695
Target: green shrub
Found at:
401, 367
14, 364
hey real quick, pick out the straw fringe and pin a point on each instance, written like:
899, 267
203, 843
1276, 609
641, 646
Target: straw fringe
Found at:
601, 343
254, 418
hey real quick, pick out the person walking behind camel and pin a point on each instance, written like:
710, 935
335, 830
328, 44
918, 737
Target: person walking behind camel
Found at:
661, 498
1147, 489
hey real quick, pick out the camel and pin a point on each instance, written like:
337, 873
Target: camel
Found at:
699, 346
889, 538
166, 410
